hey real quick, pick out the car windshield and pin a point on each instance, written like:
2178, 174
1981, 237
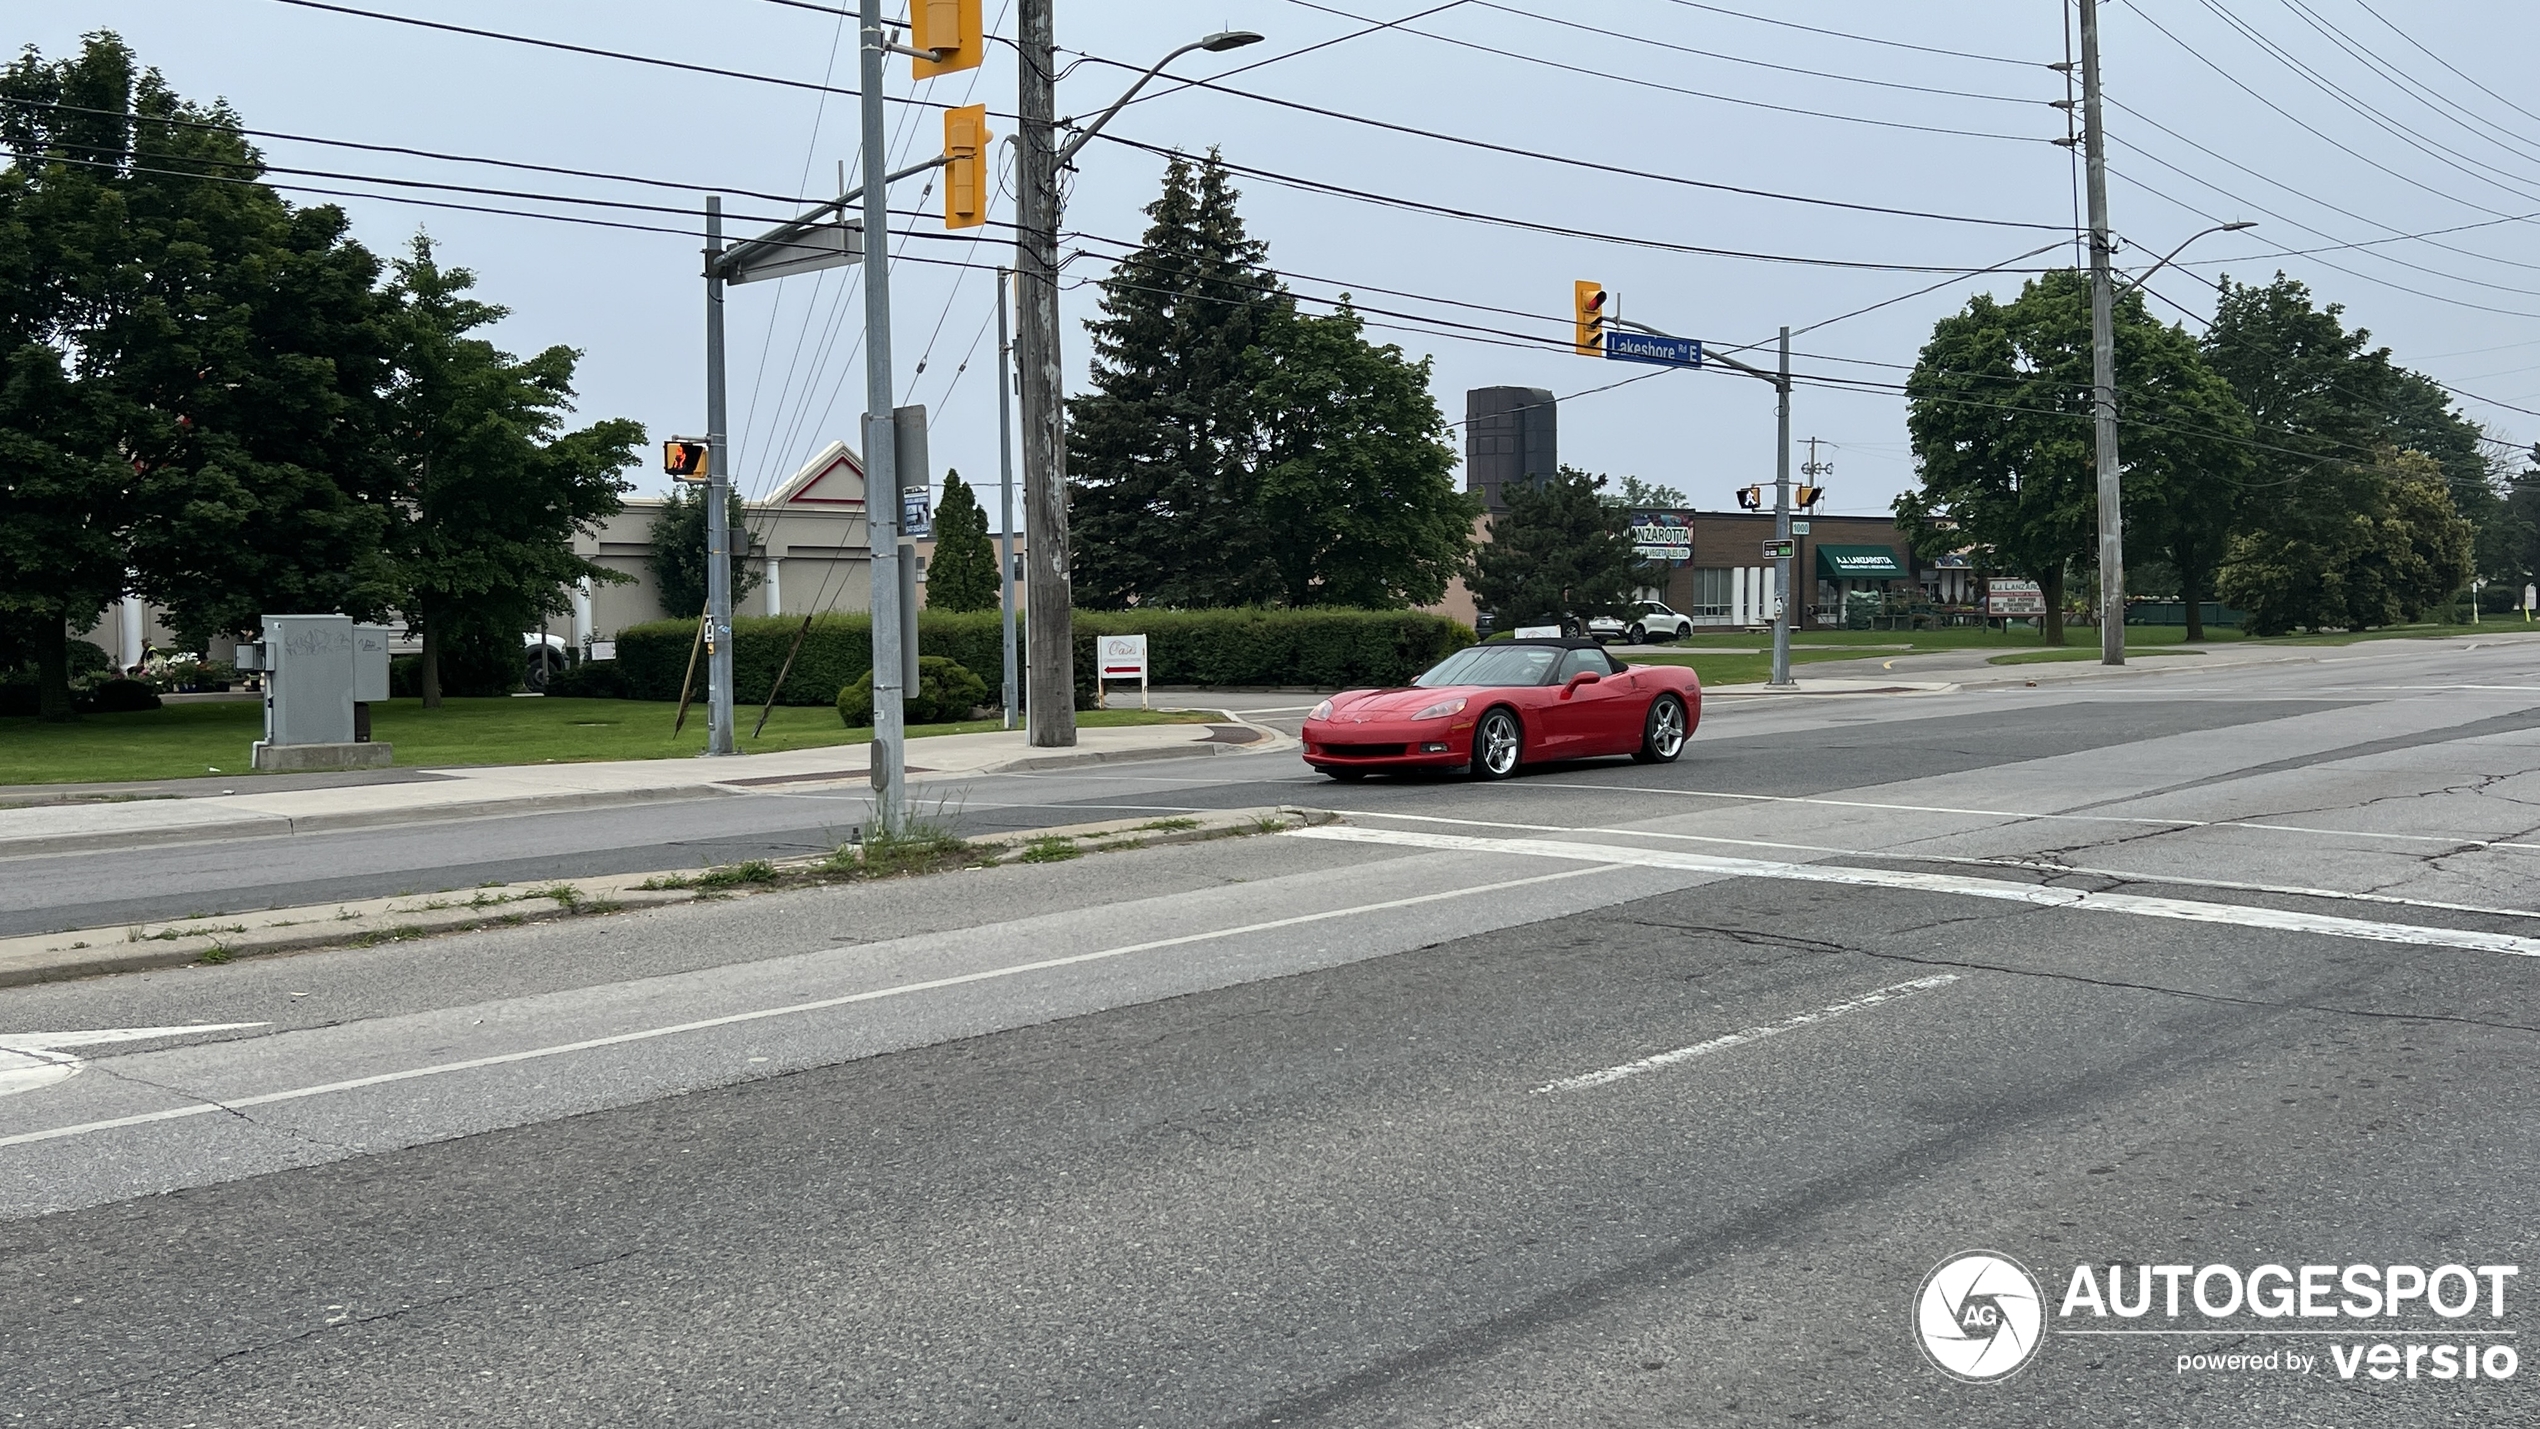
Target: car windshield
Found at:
1493, 665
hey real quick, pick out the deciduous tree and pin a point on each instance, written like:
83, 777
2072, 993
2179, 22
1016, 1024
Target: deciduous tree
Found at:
494, 489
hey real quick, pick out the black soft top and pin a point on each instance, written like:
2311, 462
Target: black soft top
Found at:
1558, 642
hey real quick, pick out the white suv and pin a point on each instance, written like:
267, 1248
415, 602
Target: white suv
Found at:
1648, 621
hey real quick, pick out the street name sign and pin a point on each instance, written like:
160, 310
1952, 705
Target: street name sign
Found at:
1646, 347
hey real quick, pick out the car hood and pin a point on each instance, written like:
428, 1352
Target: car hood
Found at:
1396, 704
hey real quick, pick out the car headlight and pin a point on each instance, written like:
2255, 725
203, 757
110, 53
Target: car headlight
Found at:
1321, 711
1441, 709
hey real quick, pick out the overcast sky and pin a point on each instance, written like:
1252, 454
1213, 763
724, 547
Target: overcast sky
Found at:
2325, 144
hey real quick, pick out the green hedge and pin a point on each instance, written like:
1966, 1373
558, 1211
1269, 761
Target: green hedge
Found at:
1323, 648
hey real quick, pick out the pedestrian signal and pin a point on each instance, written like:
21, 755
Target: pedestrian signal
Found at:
1588, 300
684, 458
1751, 497
1809, 496
948, 29
966, 139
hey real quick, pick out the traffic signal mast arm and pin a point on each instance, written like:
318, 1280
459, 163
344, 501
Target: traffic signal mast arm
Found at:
773, 244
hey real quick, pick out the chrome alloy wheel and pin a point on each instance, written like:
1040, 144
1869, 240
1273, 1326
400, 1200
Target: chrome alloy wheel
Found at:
1495, 745
1665, 738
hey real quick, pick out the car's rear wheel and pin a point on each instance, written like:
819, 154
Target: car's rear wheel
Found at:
1496, 744
1662, 734
1347, 776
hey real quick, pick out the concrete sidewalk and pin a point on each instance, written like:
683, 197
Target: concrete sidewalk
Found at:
460, 793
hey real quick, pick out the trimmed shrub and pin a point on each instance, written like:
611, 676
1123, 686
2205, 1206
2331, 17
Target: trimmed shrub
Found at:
1317, 648
945, 693
122, 697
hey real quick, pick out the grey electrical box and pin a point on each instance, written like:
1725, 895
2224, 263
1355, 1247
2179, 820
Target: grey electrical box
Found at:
312, 665
370, 663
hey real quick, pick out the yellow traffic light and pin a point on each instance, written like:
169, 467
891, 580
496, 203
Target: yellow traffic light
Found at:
1588, 299
685, 458
966, 139
951, 29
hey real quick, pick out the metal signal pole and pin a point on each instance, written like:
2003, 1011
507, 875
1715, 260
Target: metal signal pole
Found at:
718, 496
2103, 353
881, 466
1781, 521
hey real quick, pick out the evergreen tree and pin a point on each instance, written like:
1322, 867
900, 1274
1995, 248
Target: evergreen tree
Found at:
494, 488
1559, 552
678, 562
1161, 454
963, 574
1358, 505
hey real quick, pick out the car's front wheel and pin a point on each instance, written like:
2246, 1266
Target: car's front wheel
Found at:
1496, 742
1637, 635
1662, 734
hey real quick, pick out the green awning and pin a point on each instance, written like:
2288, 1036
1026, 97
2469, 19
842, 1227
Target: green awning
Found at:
1859, 563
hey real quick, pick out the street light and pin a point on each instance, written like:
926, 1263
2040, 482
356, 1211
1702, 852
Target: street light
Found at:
2165, 262
1049, 653
1218, 43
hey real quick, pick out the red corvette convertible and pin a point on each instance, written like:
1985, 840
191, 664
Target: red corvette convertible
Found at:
1492, 707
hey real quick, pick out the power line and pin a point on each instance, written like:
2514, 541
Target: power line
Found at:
2303, 124
2447, 64
1320, 186
2425, 144
1569, 24
1549, 63
1848, 35
1590, 165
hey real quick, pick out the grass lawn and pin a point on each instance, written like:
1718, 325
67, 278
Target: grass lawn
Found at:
184, 740
2020, 645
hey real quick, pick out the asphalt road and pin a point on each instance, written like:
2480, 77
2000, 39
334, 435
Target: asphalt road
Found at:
1607, 1095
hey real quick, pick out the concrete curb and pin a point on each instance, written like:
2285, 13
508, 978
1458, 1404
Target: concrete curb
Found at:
255, 824
94, 952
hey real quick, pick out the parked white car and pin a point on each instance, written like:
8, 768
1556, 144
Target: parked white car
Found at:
1648, 621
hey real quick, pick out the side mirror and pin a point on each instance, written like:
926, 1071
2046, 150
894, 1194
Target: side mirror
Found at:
1584, 677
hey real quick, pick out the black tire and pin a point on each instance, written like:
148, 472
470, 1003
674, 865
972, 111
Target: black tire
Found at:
1346, 776
1662, 731
541, 664
1498, 743
1637, 635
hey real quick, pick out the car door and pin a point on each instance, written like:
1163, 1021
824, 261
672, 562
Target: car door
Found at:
1588, 721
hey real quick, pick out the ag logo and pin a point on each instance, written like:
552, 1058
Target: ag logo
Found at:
1978, 1316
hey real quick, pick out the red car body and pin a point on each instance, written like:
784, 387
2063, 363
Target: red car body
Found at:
1580, 703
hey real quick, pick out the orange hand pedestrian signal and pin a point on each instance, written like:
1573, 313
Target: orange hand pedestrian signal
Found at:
685, 458
966, 139
1588, 304
949, 29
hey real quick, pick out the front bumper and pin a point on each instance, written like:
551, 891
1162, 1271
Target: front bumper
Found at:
1389, 744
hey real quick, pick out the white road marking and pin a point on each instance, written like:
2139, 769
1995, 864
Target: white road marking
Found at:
2184, 910
34, 1059
2175, 880
791, 1009
2463, 841
1751, 1034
